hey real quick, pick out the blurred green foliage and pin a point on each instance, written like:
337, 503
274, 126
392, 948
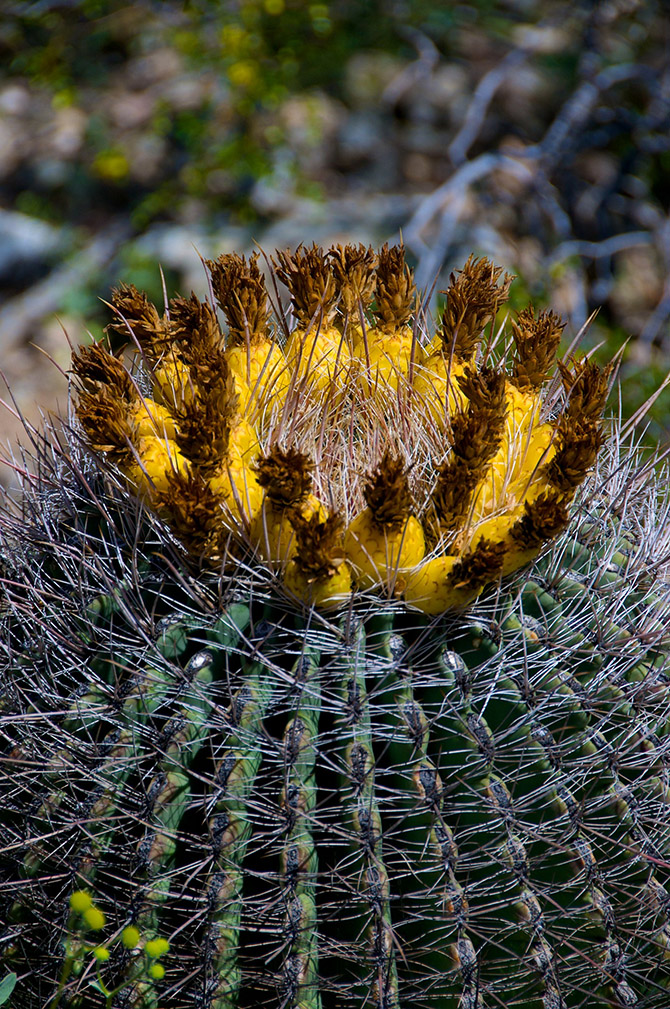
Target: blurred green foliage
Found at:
256, 53
175, 111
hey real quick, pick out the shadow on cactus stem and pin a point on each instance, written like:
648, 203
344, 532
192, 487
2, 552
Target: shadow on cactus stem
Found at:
335, 656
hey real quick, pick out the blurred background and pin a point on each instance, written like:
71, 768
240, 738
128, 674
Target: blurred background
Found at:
138, 135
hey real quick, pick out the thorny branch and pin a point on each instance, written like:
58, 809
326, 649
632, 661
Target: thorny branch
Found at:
542, 182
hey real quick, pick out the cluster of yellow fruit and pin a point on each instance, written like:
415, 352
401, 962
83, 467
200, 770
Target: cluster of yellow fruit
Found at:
349, 451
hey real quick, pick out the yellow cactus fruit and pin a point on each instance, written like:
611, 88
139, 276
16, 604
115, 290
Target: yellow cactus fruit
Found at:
385, 359
452, 583
318, 573
524, 531
158, 459
576, 445
325, 593
243, 441
235, 483
516, 472
272, 531
286, 478
260, 372
173, 386
476, 436
386, 352
256, 362
540, 521
471, 302
495, 491
523, 408
381, 556
385, 540
432, 590
536, 339
537, 449
436, 385
316, 350
318, 359
150, 419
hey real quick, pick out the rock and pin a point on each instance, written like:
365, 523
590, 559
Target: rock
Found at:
27, 245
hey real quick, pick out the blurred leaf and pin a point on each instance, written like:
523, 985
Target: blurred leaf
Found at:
7, 987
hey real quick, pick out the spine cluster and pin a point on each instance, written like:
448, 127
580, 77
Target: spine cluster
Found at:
339, 442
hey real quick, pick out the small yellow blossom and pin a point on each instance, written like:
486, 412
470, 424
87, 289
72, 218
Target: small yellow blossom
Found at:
81, 900
130, 936
94, 918
156, 947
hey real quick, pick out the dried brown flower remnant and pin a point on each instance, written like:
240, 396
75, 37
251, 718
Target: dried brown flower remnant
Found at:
309, 277
204, 430
107, 424
587, 387
387, 493
478, 567
536, 340
485, 390
450, 500
138, 317
285, 476
543, 519
477, 433
395, 291
319, 552
239, 288
95, 367
472, 300
354, 271
194, 511
209, 374
577, 445
471, 444
194, 327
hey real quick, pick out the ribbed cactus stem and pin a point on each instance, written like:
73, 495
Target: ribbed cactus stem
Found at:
168, 794
299, 857
168, 797
230, 828
373, 883
148, 692
455, 897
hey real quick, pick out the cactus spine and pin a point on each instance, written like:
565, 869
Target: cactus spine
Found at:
281, 686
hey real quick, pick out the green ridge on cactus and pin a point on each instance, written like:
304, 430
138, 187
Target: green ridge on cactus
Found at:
335, 654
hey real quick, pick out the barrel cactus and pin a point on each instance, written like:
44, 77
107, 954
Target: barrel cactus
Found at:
335, 660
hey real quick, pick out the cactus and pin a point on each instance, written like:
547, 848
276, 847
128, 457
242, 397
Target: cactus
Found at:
336, 656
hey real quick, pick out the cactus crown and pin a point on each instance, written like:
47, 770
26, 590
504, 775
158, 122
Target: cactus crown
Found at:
494, 465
